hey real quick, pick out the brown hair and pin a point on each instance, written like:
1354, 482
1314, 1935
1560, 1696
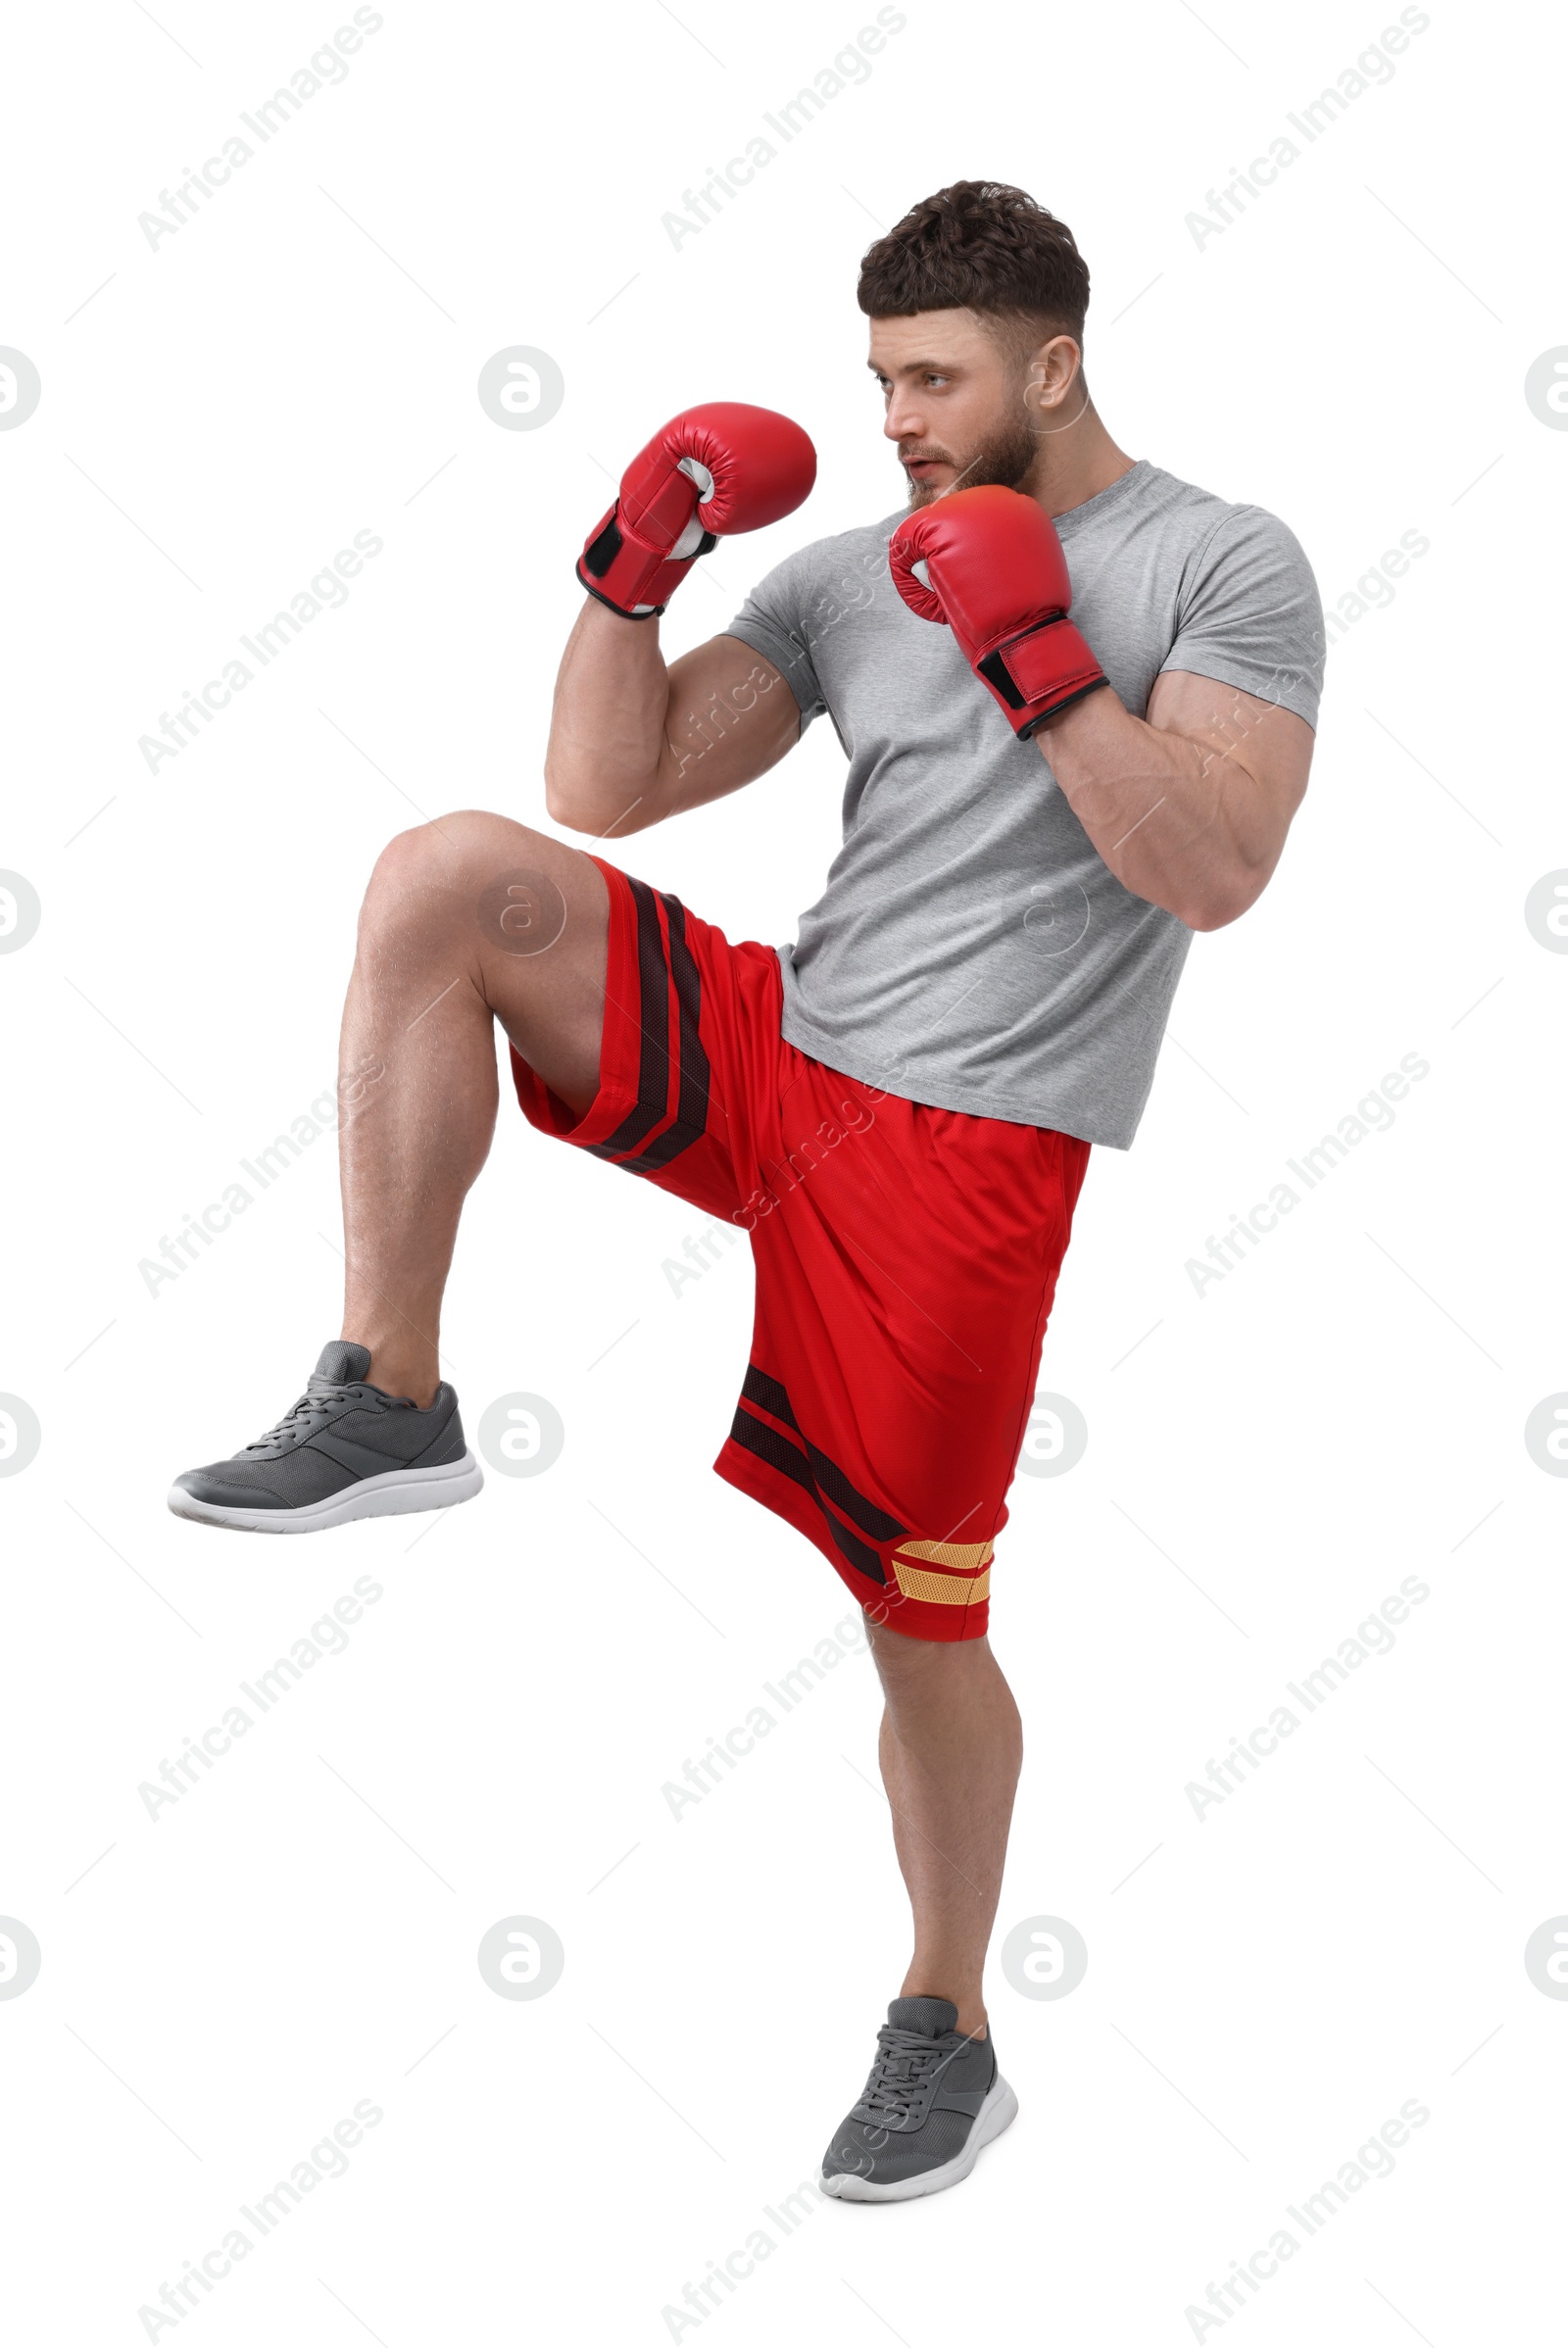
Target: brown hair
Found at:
980, 245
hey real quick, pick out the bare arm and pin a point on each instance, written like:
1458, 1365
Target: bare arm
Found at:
1190, 809
632, 741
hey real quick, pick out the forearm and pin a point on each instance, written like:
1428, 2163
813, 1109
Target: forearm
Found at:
711, 472
1180, 822
606, 724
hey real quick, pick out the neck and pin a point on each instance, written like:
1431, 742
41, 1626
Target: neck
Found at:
1077, 458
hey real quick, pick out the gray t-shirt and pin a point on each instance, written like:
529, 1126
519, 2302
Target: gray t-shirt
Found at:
970, 949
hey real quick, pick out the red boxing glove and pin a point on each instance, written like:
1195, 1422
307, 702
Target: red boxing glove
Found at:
988, 562
709, 474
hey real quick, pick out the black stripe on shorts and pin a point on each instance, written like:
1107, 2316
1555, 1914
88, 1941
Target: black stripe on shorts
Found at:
654, 972
653, 1012
691, 1104
777, 1451
758, 1386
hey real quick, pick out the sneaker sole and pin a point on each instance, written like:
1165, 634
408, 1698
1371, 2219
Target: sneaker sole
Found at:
399, 1493
998, 2111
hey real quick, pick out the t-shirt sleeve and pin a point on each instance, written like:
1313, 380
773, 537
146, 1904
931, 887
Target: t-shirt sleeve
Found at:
1249, 615
772, 621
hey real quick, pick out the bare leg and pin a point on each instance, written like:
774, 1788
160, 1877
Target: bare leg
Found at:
951, 1748
467, 921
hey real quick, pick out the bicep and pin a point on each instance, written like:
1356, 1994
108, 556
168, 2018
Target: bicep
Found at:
730, 716
1268, 742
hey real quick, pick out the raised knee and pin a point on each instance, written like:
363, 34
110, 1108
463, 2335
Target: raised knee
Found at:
449, 851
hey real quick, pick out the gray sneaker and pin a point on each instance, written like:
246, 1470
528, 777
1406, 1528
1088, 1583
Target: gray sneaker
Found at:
932, 2102
346, 1450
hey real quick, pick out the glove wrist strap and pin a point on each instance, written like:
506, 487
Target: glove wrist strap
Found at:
629, 576
1038, 671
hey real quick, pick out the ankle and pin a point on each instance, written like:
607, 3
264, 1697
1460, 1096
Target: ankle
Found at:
397, 1370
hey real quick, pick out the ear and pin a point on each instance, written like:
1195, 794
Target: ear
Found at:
1052, 371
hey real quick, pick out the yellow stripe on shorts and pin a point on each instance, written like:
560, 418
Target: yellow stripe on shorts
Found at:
966, 1555
939, 1588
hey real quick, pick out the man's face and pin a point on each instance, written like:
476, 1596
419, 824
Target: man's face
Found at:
957, 403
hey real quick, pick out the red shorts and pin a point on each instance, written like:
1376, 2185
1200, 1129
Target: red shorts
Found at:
906, 1259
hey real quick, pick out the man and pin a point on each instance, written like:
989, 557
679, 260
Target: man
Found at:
1040, 810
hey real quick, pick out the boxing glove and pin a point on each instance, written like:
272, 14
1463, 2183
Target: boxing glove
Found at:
989, 564
710, 473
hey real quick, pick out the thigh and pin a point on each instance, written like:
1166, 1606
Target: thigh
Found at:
906, 1258
689, 1054
534, 914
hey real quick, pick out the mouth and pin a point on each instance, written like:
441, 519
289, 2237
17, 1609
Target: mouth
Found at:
924, 468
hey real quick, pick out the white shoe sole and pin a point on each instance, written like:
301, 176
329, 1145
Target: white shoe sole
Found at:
998, 2111
400, 1492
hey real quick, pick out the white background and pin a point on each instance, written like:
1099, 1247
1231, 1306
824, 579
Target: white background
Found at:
219, 417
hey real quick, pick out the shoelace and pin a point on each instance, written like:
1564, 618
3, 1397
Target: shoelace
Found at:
309, 1411
904, 2061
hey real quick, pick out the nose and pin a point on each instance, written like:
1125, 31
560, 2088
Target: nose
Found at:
905, 421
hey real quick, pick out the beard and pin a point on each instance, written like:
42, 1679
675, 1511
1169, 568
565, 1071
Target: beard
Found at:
1001, 462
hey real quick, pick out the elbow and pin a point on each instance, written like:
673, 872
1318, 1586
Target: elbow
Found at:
1221, 898
576, 811
1209, 915
1217, 905
559, 803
